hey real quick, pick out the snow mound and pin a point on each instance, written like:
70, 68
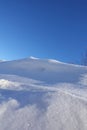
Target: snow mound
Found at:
4, 84
44, 71
38, 94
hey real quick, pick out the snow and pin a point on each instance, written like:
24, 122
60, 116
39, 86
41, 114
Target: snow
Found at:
33, 58
41, 94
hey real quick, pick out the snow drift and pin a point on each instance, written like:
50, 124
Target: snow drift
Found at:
38, 94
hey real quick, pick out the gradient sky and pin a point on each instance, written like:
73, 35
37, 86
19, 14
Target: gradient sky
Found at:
43, 28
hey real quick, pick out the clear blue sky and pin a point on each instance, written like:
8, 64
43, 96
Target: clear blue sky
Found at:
43, 28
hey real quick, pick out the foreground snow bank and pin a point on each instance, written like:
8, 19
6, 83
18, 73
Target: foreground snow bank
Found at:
55, 110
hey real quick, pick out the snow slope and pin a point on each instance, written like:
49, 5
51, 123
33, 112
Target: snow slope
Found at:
38, 94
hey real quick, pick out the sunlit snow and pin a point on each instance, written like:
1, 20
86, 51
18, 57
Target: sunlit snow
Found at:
38, 94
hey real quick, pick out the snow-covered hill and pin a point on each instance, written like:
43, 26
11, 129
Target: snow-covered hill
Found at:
38, 94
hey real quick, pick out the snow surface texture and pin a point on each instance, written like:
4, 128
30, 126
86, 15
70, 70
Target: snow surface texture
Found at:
40, 94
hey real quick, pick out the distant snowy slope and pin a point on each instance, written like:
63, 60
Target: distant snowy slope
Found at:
49, 71
38, 94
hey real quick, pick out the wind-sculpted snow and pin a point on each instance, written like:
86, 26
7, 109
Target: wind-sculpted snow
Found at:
41, 110
42, 95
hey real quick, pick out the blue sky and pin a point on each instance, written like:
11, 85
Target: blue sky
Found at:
43, 28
